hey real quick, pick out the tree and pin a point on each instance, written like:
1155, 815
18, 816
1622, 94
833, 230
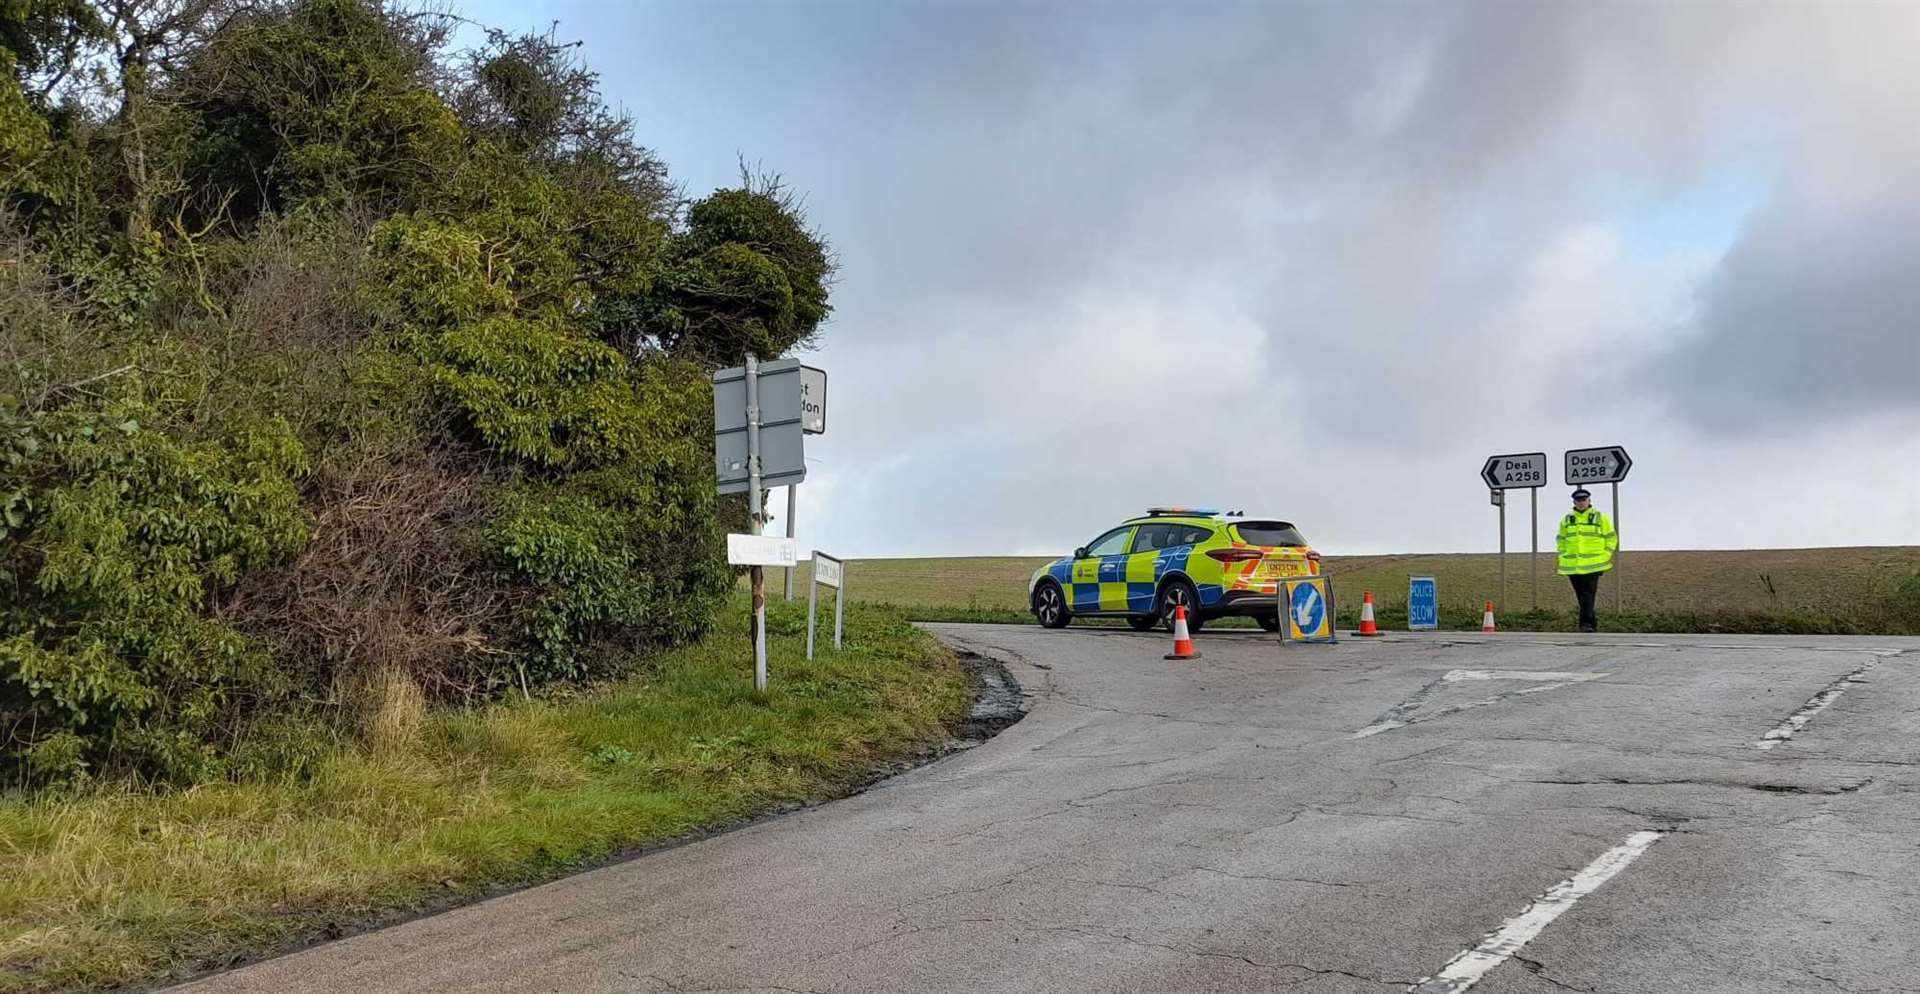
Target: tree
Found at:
745, 275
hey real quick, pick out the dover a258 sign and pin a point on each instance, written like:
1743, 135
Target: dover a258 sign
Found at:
1520, 471
1607, 464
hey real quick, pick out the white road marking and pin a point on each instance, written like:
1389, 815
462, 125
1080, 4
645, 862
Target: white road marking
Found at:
1455, 676
1466, 969
1816, 704
1388, 724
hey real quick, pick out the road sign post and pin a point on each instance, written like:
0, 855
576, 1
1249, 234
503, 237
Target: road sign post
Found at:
813, 421
1517, 471
831, 572
1500, 502
790, 502
755, 518
762, 413
1607, 464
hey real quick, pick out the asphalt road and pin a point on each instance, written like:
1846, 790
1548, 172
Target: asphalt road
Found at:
1314, 819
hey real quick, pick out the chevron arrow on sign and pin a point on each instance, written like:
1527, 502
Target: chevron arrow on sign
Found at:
1606, 464
1519, 471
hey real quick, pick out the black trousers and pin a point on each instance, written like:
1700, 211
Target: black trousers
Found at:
1585, 587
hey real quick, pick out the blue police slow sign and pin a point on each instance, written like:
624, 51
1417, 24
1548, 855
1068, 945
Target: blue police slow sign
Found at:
1423, 603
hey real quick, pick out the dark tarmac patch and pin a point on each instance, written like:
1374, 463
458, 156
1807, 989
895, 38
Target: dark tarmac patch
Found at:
997, 700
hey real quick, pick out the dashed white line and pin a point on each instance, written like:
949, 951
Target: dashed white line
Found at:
1816, 704
1466, 969
1456, 676
1401, 715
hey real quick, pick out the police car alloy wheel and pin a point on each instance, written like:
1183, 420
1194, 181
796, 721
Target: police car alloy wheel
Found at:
1049, 606
1174, 594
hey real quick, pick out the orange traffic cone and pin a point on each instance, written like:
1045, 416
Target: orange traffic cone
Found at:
1367, 627
1182, 642
1486, 620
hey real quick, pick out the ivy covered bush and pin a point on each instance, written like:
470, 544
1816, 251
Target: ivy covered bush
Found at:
332, 357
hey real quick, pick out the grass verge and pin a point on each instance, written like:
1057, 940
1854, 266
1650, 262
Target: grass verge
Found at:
1394, 617
1870, 590
114, 887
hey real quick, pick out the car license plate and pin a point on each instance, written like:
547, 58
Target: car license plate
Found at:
1275, 568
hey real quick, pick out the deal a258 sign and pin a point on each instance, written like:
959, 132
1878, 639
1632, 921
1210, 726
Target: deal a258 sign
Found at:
1519, 471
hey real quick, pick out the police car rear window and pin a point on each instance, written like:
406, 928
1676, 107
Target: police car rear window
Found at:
1269, 533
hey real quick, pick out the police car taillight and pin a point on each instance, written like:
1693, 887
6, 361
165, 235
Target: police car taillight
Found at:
1234, 555
1312, 555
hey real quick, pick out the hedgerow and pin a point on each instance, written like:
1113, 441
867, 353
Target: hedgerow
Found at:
339, 368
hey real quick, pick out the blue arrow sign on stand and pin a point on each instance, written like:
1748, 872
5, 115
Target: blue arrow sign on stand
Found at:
1309, 608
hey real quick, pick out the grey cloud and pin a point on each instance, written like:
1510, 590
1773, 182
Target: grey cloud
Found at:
1413, 228
1812, 316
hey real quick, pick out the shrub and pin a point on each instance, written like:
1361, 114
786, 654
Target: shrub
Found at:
119, 535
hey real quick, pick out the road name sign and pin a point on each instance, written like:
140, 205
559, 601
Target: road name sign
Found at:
761, 550
1518, 471
1423, 603
827, 572
1606, 464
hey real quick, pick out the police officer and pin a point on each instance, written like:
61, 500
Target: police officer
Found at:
1586, 542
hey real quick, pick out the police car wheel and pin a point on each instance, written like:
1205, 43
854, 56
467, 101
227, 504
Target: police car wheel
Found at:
1175, 593
1270, 622
1050, 606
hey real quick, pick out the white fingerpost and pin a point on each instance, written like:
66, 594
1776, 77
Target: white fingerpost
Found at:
830, 572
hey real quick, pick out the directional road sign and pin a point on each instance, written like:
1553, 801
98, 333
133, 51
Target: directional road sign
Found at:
784, 421
1606, 464
813, 400
1521, 471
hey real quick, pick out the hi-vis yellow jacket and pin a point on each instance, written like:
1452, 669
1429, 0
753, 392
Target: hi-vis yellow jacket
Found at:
1586, 542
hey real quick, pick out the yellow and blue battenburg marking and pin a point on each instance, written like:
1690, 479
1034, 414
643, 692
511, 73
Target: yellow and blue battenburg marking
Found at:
1125, 582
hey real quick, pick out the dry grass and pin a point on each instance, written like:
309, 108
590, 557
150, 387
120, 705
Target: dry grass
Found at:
120, 887
1837, 583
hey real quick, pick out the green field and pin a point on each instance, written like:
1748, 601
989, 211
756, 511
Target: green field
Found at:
1864, 589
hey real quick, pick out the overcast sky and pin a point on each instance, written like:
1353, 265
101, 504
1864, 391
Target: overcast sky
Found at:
1318, 262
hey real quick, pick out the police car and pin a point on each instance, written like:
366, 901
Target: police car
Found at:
1215, 564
